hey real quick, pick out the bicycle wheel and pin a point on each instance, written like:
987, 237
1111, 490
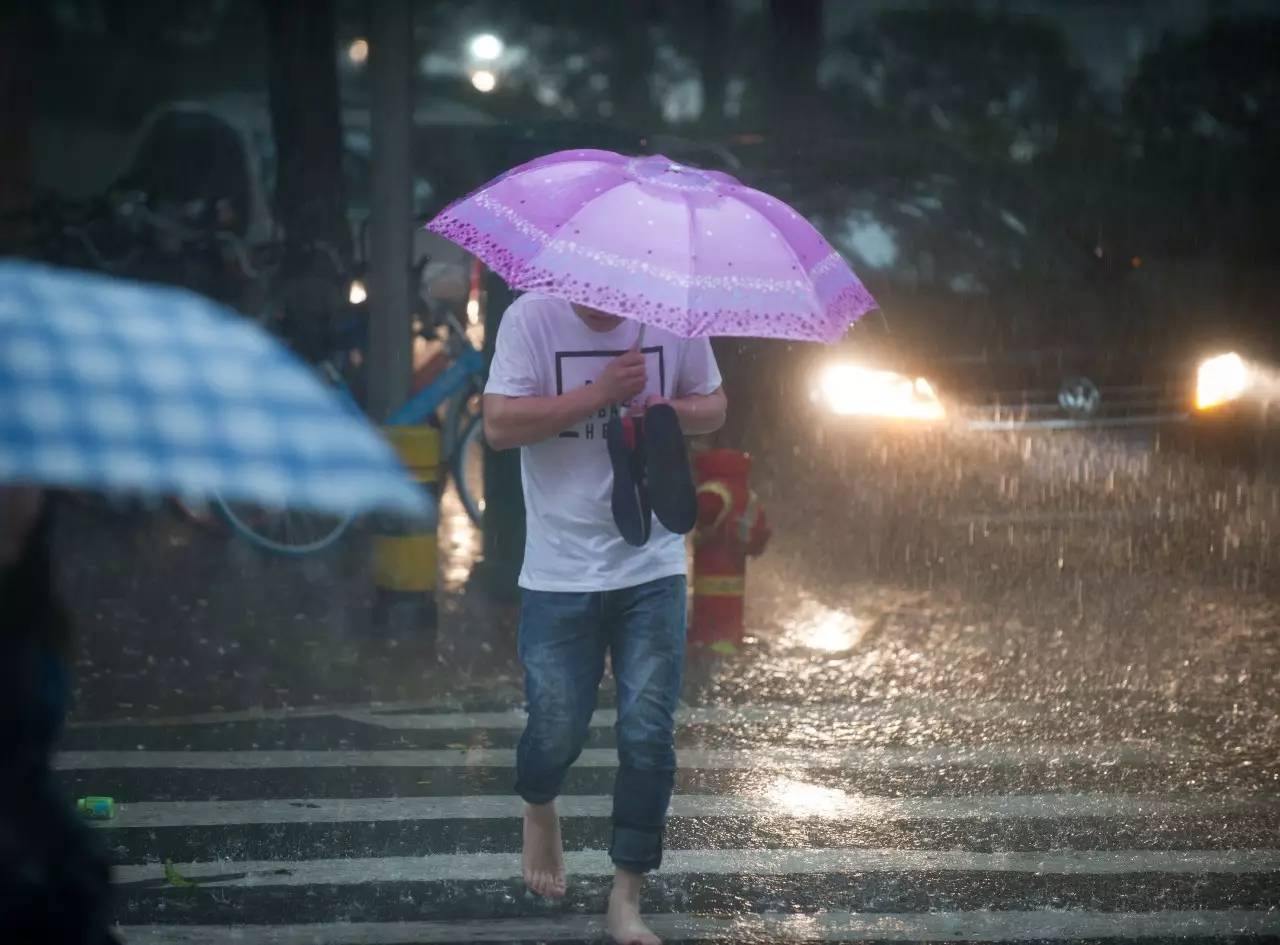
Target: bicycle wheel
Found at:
468, 468
283, 531
458, 413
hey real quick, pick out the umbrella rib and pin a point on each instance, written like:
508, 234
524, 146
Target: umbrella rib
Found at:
553, 233
693, 232
548, 234
810, 289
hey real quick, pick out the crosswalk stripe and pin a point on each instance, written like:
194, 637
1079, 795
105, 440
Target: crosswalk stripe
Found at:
690, 758
755, 862
417, 715
954, 710
410, 716
282, 714
786, 800
976, 926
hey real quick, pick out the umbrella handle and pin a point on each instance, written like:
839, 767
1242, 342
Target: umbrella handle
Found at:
615, 409
639, 345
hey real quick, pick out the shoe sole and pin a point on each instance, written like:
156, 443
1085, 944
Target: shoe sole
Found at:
671, 490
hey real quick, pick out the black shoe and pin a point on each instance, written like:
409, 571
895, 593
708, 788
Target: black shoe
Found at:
670, 481
630, 502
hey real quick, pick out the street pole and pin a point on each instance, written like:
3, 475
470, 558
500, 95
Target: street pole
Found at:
306, 120
504, 525
391, 222
18, 41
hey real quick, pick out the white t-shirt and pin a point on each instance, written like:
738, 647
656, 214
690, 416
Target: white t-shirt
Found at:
544, 349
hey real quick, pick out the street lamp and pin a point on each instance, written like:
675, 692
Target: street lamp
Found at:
486, 47
484, 80
358, 51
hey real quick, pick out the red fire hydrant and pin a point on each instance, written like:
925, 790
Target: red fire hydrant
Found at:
731, 527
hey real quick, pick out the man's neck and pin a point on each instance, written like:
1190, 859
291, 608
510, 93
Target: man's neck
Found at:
597, 320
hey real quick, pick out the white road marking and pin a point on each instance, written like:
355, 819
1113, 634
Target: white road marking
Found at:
775, 759
283, 713
788, 715
976, 926
805, 862
415, 716
788, 800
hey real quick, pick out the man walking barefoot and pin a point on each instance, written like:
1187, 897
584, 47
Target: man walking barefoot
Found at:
558, 372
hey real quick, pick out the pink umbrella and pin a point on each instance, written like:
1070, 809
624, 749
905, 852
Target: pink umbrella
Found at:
690, 251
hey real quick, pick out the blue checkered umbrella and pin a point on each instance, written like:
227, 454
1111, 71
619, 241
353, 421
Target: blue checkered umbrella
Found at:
113, 385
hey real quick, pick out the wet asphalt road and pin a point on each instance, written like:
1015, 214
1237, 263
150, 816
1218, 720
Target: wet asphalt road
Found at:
1007, 689
895, 819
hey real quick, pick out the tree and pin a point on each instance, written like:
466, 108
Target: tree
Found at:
999, 86
17, 109
713, 57
793, 67
1205, 117
306, 116
310, 201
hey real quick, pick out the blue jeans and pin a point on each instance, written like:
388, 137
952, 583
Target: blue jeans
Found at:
563, 642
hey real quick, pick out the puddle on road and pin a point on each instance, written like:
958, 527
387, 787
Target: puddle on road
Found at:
816, 626
461, 543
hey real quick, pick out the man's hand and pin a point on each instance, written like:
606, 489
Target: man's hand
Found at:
623, 378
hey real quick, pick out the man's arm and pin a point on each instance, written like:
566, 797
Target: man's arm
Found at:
699, 413
522, 421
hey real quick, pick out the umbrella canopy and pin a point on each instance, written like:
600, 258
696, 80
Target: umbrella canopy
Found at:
690, 251
112, 385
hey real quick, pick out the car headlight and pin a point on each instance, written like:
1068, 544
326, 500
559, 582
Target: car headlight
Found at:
852, 391
1221, 380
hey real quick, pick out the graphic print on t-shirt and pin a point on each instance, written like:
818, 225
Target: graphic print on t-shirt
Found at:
575, 369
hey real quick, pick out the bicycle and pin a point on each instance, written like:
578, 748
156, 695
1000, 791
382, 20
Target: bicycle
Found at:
326, 285
301, 308
288, 531
459, 390
298, 308
456, 391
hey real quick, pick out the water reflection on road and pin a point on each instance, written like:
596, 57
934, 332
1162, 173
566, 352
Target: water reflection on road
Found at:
461, 543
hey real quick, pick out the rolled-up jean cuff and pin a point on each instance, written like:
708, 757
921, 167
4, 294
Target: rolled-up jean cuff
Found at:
636, 850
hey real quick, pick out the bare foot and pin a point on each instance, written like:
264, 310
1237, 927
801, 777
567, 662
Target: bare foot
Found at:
625, 925
543, 857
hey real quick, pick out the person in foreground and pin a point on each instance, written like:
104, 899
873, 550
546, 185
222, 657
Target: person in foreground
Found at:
560, 374
55, 880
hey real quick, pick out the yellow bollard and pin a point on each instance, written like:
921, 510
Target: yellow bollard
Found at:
405, 555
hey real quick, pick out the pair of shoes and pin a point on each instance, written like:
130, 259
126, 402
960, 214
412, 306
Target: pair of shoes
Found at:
650, 475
